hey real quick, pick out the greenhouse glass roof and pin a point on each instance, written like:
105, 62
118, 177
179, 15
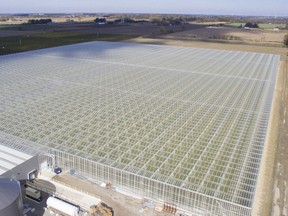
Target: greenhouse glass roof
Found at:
193, 118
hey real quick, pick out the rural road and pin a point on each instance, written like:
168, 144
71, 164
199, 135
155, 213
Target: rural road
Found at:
280, 201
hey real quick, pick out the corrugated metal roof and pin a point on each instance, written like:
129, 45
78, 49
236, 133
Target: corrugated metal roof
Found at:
10, 158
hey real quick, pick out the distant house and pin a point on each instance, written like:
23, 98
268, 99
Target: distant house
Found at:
119, 21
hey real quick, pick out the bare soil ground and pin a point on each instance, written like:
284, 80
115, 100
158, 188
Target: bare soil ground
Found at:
253, 35
122, 205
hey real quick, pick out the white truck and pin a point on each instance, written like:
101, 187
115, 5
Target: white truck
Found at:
33, 193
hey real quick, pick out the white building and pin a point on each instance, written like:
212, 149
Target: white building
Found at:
17, 165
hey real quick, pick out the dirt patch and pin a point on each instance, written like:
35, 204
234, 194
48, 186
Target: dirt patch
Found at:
122, 205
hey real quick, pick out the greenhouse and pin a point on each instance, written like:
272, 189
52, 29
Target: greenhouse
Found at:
178, 125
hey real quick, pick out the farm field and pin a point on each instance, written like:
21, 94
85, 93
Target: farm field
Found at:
130, 29
15, 44
234, 34
56, 19
261, 25
19, 38
188, 121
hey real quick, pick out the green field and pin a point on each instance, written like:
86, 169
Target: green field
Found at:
271, 26
39, 41
261, 25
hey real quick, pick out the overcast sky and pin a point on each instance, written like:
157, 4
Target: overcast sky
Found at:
229, 7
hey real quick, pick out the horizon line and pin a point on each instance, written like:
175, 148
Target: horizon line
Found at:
146, 13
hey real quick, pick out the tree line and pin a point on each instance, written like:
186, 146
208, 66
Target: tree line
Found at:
118, 21
249, 25
286, 40
39, 21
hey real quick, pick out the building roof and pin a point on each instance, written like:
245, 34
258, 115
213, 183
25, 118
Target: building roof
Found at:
10, 158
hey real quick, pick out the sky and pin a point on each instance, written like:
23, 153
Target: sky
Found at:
221, 7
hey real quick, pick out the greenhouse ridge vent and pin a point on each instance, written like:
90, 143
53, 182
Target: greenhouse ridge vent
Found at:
178, 125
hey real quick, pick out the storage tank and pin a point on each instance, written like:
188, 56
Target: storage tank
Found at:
62, 206
10, 198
